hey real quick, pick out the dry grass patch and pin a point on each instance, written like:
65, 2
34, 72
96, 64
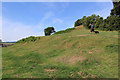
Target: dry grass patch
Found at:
51, 70
19, 54
78, 26
83, 35
71, 59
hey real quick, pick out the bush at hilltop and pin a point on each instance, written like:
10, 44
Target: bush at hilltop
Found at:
49, 30
95, 19
28, 39
111, 23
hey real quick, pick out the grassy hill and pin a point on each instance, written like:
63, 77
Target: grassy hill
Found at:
76, 54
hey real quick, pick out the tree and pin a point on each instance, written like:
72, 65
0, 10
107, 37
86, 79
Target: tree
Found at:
96, 20
49, 30
99, 20
116, 8
112, 23
78, 22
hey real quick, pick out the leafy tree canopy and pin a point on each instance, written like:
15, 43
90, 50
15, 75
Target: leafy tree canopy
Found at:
49, 30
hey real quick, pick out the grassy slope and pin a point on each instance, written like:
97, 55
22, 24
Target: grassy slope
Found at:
67, 53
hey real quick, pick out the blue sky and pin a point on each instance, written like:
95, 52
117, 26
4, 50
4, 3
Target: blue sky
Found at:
24, 19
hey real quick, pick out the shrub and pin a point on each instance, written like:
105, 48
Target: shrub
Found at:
28, 39
49, 30
78, 22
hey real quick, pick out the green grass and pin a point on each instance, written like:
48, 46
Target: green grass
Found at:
72, 56
64, 31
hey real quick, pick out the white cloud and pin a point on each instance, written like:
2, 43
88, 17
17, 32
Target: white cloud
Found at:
64, 6
13, 31
57, 20
104, 12
47, 16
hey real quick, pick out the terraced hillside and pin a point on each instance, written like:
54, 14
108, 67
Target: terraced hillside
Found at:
77, 54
